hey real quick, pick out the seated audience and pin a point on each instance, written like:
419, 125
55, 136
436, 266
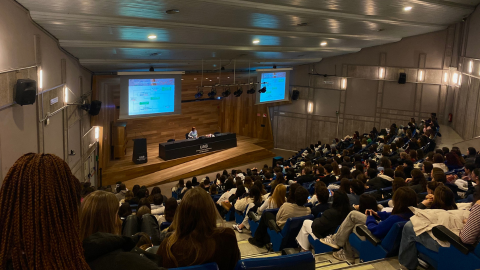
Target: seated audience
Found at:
187, 187
196, 239
321, 196
403, 198
356, 189
100, 230
366, 202
418, 182
121, 190
408, 253
382, 180
325, 225
252, 201
30, 223
438, 162
124, 211
157, 206
276, 200
288, 210
169, 213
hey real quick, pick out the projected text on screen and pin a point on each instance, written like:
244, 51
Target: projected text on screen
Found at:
149, 96
275, 84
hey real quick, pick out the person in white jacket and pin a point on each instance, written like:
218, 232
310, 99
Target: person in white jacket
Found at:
254, 199
438, 162
275, 201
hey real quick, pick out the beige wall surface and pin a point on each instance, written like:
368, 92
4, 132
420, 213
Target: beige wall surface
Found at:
23, 44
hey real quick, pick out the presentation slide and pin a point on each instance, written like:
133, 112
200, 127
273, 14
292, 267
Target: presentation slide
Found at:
275, 83
151, 96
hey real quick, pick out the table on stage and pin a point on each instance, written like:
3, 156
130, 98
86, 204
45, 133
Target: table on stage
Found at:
184, 148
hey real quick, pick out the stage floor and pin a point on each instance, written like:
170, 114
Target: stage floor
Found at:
157, 170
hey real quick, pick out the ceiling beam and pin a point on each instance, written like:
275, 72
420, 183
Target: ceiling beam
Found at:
162, 45
291, 9
75, 19
194, 61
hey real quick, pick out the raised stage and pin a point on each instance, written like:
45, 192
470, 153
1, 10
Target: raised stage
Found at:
158, 171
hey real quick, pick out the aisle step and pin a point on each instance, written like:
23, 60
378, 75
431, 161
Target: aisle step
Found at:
332, 266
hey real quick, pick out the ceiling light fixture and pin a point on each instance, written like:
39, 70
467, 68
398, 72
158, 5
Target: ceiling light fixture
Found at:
256, 41
263, 90
152, 37
252, 90
407, 8
172, 11
323, 44
151, 69
470, 66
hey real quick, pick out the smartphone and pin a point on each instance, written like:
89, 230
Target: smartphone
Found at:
309, 197
330, 193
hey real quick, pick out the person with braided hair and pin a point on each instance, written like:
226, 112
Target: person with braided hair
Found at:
39, 225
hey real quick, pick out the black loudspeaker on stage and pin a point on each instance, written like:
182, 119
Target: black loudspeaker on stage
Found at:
402, 79
25, 91
295, 94
139, 151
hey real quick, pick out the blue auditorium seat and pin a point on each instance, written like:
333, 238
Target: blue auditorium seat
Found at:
230, 216
303, 261
373, 248
286, 238
457, 256
240, 216
207, 266
164, 225
254, 225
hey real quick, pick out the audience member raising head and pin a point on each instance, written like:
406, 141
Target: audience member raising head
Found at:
32, 220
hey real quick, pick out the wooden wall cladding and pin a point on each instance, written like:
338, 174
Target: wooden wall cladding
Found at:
240, 115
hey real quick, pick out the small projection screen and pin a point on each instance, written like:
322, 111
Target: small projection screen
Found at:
150, 95
277, 86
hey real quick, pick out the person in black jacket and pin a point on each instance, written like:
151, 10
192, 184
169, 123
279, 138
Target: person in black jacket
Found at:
382, 180
109, 251
329, 178
322, 194
306, 177
328, 223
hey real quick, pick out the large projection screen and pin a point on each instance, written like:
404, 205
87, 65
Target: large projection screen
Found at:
277, 84
150, 95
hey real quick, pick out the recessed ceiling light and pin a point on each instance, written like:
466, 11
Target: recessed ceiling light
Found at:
407, 8
182, 79
152, 37
256, 41
172, 11
228, 77
323, 43
206, 78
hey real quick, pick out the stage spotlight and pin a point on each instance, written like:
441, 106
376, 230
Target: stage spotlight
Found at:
226, 92
252, 90
212, 92
223, 68
199, 94
263, 90
274, 66
239, 92
152, 69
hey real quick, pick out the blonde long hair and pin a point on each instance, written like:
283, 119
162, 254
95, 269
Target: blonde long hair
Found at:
278, 195
195, 223
99, 213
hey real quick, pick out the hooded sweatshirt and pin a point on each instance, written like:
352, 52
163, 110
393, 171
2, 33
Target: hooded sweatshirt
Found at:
381, 181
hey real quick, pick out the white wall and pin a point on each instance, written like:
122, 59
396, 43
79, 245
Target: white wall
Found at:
18, 125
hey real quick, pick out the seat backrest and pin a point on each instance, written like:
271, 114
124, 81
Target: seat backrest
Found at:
207, 266
164, 225
391, 242
150, 226
303, 260
293, 225
130, 226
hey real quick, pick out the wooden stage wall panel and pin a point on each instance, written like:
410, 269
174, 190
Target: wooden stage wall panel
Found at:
242, 154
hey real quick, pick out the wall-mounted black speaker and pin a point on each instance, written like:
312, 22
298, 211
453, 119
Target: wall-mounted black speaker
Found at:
95, 107
295, 94
25, 91
402, 79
